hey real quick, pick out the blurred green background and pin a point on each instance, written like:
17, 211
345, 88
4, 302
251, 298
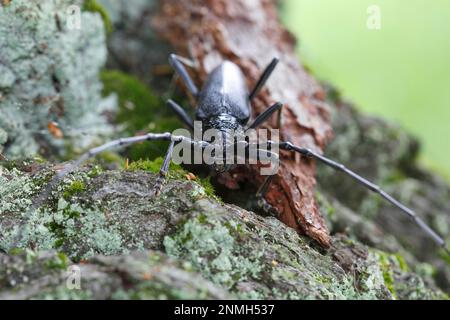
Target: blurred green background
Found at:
401, 71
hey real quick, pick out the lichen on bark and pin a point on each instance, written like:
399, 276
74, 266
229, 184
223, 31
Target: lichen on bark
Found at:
386, 154
233, 252
49, 73
104, 222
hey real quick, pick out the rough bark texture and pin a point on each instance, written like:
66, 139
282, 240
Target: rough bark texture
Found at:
49, 74
134, 46
137, 275
105, 223
187, 243
250, 34
385, 153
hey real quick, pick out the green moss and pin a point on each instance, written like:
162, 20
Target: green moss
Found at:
59, 262
109, 157
30, 255
443, 254
388, 275
175, 171
202, 218
395, 176
94, 6
140, 110
207, 185
234, 227
138, 103
94, 172
232, 253
401, 262
75, 187
154, 258
251, 256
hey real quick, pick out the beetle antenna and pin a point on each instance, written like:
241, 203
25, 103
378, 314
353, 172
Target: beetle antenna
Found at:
93, 152
373, 187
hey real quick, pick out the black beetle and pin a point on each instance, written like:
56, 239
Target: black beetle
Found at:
224, 104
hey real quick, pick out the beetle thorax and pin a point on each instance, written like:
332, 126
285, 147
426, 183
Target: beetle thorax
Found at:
222, 122
225, 130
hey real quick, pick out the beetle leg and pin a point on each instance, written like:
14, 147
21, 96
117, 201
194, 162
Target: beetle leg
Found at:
371, 186
262, 117
265, 206
279, 118
177, 63
39, 200
181, 113
109, 145
164, 169
92, 153
263, 79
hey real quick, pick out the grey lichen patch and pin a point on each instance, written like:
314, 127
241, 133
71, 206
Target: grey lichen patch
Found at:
211, 247
3, 138
90, 212
256, 257
404, 284
137, 275
80, 231
218, 250
16, 190
84, 232
7, 78
49, 72
20, 267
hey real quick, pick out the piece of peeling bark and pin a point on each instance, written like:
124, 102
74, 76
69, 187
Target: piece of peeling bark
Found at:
250, 34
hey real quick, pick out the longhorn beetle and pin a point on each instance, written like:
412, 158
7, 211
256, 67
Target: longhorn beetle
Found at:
224, 104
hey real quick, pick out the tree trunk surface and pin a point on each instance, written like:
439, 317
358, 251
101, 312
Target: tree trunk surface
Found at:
250, 34
103, 224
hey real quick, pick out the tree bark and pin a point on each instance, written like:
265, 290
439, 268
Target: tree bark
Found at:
250, 34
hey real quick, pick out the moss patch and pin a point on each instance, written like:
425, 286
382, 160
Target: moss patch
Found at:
75, 187
175, 172
236, 251
140, 110
94, 6
387, 273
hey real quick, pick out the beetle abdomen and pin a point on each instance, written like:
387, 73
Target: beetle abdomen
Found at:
224, 92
